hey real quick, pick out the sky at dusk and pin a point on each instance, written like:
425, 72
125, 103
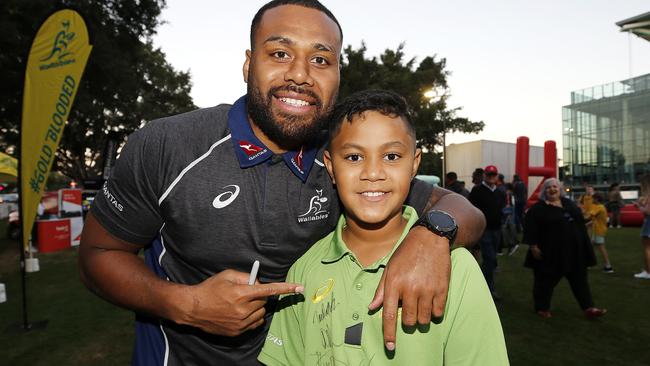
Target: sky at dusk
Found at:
513, 63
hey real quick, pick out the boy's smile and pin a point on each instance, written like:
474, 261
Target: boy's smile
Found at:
372, 161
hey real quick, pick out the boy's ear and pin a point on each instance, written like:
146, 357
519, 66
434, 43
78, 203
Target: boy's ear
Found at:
247, 64
416, 162
327, 159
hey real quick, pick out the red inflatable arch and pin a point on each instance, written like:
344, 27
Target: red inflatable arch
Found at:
524, 170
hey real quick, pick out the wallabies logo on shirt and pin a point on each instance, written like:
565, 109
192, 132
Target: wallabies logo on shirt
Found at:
317, 210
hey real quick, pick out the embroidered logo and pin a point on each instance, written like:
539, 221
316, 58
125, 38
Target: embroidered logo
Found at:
112, 198
316, 210
297, 162
251, 150
274, 339
226, 198
322, 291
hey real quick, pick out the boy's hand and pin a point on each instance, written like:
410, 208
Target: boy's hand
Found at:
418, 275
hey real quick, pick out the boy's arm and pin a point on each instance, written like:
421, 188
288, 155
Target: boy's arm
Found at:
418, 272
474, 333
284, 345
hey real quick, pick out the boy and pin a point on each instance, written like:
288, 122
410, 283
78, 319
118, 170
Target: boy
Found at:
598, 215
372, 158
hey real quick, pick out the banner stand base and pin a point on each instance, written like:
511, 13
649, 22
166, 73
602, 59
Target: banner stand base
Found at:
32, 326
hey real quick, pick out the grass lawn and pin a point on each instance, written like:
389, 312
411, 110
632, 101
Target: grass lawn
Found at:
84, 330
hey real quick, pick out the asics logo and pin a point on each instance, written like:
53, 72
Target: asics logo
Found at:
226, 198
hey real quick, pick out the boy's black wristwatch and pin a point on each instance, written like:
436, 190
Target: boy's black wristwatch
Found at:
439, 223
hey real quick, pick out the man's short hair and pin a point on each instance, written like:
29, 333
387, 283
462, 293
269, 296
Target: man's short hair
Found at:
311, 4
385, 102
452, 176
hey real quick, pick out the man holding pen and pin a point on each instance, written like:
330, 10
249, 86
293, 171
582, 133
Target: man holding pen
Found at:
209, 192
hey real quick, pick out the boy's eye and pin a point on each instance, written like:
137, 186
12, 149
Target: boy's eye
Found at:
391, 156
353, 157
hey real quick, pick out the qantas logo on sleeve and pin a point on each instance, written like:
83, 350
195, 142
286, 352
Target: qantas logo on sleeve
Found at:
251, 150
227, 197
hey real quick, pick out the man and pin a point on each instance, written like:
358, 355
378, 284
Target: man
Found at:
453, 184
520, 193
208, 192
501, 183
477, 177
487, 198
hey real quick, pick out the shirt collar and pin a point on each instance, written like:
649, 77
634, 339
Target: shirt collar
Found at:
338, 249
490, 188
250, 151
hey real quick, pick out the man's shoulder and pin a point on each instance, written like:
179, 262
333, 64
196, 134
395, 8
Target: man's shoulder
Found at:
183, 136
196, 122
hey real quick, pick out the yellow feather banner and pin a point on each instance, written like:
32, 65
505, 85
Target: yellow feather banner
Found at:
55, 65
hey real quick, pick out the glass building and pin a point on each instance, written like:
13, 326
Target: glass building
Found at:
606, 133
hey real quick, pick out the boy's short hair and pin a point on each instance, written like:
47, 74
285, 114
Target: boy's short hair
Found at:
385, 102
311, 4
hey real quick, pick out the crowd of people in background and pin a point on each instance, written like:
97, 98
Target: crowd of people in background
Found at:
561, 233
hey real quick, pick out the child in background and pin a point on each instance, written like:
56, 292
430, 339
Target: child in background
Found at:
598, 214
586, 200
372, 158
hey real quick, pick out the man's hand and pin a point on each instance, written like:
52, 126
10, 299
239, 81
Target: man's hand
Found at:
225, 304
418, 275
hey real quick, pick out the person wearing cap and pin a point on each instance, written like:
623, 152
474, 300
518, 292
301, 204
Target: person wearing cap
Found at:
487, 198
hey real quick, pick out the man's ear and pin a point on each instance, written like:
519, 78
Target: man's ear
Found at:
327, 159
247, 64
416, 162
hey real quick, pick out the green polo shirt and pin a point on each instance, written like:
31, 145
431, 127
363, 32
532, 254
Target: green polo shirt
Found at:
331, 324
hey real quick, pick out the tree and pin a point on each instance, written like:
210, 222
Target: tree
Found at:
127, 80
391, 71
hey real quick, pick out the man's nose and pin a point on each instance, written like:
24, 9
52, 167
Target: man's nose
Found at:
299, 73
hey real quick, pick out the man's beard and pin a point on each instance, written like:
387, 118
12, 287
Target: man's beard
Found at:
289, 131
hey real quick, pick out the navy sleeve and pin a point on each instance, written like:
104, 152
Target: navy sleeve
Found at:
127, 206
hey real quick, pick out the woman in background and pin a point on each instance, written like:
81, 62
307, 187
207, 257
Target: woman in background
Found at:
559, 246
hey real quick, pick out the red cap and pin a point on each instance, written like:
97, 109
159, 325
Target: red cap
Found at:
491, 169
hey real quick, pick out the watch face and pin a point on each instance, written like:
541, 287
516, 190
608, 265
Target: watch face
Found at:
441, 221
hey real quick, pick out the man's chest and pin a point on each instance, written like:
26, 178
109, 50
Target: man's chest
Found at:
222, 216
